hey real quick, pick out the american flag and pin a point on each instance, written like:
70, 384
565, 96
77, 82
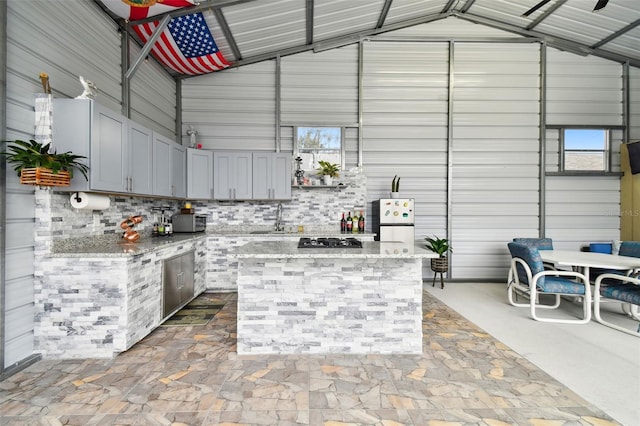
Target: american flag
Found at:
186, 45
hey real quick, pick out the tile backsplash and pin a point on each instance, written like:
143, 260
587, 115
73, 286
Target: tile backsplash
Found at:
313, 207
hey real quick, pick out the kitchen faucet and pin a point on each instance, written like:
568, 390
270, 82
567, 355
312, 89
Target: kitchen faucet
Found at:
279, 218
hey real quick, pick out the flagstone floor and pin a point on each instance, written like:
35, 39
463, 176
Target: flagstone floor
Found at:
192, 375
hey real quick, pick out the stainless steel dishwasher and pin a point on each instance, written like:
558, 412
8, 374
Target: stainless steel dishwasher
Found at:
177, 282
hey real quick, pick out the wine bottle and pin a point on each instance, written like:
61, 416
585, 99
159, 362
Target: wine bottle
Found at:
343, 224
349, 222
354, 227
361, 222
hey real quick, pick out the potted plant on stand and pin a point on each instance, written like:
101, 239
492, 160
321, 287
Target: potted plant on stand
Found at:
440, 264
328, 171
37, 165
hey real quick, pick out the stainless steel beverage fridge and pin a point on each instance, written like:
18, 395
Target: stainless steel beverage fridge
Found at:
393, 219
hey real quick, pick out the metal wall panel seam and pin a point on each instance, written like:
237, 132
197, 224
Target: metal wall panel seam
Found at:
543, 141
124, 66
360, 98
450, 147
626, 103
278, 111
178, 127
3, 172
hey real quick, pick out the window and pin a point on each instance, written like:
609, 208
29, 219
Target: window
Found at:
585, 150
318, 143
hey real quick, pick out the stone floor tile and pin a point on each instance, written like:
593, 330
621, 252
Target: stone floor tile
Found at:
250, 417
382, 417
193, 375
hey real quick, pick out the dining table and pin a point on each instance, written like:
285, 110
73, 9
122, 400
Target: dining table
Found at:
586, 260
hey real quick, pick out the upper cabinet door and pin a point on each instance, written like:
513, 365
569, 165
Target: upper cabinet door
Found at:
262, 175
162, 165
140, 160
271, 176
179, 170
281, 182
109, 150
199, 174
232, 175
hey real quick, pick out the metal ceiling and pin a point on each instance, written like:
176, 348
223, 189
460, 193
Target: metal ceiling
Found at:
249, 31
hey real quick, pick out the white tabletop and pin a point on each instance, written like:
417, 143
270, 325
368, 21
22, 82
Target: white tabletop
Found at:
588, 259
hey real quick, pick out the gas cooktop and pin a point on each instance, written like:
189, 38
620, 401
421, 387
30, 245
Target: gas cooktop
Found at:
329, 243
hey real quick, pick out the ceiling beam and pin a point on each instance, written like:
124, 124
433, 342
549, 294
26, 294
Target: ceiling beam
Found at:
146, 49
333, 42
383, 13
309, 21
557, 42
467, 5
228, 35
448, 6
545, 14
616, 34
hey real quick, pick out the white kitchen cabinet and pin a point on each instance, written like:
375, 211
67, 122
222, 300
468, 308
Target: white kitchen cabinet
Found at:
118, 150
169, 167
199, 174
271, 176
162, 166
232, 175
140, 173
179, 170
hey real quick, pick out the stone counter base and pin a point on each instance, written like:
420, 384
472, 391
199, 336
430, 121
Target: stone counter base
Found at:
319, 306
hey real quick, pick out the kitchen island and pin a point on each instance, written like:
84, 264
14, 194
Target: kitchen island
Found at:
330, 300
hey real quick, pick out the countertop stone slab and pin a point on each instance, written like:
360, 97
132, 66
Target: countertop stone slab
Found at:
369, 250
113, 246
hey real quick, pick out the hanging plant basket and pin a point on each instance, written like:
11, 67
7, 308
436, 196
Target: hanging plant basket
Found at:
440, 264
42, 176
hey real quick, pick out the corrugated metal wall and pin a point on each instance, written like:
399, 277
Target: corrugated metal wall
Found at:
153, 97
88, 44
404, 126
496, 116
494, 140
582, 91
234, 109
63, 53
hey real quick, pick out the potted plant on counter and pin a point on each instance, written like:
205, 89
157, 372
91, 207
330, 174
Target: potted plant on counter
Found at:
36, 164
440, 264
395, 187
328, 171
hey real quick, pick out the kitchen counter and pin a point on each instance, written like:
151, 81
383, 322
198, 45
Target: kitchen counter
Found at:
328, 300
114, 246
369, 250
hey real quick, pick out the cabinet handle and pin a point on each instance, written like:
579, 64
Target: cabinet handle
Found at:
230, 194
180, 280
234, 193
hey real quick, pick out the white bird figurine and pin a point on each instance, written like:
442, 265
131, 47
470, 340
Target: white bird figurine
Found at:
90, 89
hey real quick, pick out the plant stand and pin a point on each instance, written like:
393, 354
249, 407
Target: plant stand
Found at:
44, 177
439, 265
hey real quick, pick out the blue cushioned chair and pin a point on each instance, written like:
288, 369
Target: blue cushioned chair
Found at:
619, 288
529, 276
540, 244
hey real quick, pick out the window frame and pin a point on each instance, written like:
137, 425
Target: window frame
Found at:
607, 153
341, 150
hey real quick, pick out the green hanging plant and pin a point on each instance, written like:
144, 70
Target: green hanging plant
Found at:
33, 154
